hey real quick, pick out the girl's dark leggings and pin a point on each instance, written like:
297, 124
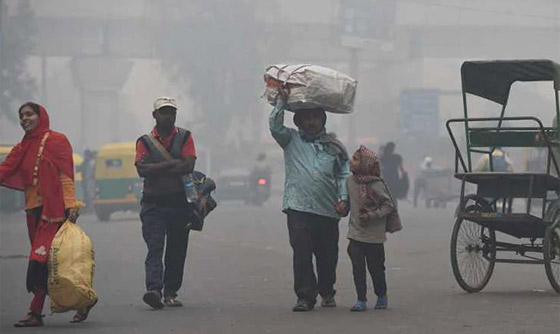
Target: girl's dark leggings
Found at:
365, 254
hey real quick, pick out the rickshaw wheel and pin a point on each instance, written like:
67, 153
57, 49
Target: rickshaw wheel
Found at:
473, 249
551, 250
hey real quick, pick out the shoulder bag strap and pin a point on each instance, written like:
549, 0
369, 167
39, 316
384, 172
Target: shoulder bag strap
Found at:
160, 147
388, 192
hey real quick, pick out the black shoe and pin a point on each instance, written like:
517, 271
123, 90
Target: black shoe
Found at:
153, 298
303, 306
172, 302
328, 301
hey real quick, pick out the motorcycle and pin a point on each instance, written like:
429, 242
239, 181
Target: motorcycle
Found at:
259, 187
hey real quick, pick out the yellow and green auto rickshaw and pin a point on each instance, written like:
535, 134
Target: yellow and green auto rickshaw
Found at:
118, 186
10, 200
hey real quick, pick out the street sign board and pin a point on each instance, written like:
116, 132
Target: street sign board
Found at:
419, 111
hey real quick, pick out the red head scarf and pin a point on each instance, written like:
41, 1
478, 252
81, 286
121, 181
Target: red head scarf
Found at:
368, 171
16, 171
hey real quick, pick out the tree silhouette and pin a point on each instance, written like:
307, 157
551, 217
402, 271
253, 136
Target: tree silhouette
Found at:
213, 54
17, 86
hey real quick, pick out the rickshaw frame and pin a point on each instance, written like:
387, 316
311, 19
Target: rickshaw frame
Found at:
492, 80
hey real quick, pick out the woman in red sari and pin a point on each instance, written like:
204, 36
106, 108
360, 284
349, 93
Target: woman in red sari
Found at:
41, 165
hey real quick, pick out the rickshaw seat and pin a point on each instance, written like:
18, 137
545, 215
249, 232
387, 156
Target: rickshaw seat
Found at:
516, 185
511, 138
519, 225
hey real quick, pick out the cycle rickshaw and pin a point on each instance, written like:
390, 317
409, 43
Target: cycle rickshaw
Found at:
474, 247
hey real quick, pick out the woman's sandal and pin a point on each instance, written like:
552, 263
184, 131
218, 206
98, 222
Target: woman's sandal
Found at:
32, 320
82, 316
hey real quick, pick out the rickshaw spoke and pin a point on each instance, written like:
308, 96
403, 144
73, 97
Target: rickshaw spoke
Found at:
472, 254
477, 269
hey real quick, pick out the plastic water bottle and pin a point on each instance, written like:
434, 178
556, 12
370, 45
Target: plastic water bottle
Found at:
190, 190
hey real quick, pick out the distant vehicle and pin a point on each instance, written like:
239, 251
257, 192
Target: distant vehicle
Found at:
259, 186
233, 184
10, 200
118, 186
439, 187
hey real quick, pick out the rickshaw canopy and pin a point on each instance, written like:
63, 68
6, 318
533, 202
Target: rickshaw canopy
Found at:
119, 149
492, 80
116, 161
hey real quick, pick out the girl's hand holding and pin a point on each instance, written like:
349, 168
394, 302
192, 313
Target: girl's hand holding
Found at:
363, 215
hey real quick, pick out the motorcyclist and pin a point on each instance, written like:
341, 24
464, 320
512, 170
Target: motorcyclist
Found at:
260, 171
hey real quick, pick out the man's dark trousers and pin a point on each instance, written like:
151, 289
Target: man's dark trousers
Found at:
158, 224
312, 234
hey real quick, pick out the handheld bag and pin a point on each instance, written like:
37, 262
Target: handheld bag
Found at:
205, 203
394, 223
71, 264
311, 86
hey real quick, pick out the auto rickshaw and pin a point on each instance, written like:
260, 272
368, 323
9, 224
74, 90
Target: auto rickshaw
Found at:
10, 200
118, 186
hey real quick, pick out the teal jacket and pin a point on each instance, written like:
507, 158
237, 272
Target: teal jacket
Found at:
315, 179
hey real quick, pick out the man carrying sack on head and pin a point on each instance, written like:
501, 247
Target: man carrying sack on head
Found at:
163, 157
315, 198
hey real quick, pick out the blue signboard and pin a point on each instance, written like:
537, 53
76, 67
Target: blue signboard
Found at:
420, 111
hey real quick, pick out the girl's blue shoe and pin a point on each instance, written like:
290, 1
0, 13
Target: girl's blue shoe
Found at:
358, 307
382, 303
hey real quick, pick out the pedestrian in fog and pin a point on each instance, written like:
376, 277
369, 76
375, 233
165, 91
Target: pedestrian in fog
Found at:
162, 158
315, 197
41, 165
393, 171
370, 204
88, 183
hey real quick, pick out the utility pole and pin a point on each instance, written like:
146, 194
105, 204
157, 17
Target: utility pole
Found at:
355, 33
354, 73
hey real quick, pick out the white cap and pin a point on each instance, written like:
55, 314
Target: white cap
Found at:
164, 101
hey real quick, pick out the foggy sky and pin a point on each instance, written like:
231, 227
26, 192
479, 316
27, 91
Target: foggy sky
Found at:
424, 47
